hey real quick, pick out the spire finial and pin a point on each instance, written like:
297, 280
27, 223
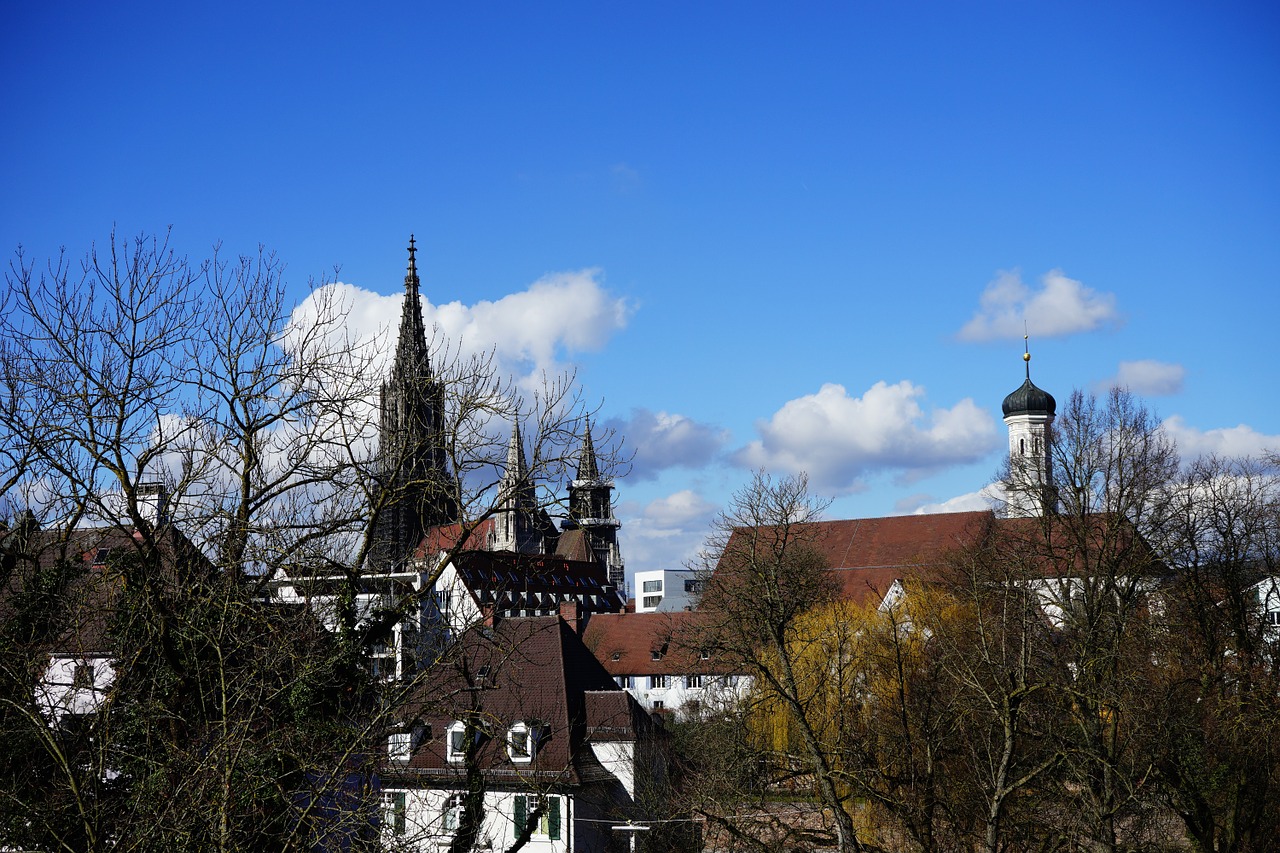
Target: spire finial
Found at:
1026, 348
411, 275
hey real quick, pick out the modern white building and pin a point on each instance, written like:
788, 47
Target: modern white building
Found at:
667, 590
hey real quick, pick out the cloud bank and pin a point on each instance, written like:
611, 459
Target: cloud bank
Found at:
1239, 440
1148, 377
662, 440
1060, 306
667, 532
529, 331
838, 439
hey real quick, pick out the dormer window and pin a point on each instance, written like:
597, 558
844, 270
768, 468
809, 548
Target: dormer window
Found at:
456, 746
656, 654
522, 742
400, 746
617, 655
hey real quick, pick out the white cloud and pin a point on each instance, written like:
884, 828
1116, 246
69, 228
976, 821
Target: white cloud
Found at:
664, 440
1060, 306
1148, 377
679, 510
529, 331
837, 439
1238, 440
987, 498
667, 532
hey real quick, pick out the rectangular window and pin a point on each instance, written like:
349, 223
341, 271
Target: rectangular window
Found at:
393, 811
457, 741
549, 821
623, 681
693, 681
652, 601
1273, 617
452, 817
653, 586
693, 586
658, 682
520, 742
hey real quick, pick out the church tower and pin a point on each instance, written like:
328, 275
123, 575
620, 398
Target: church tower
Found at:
516, 524
1028, 412
416, 486
591, 509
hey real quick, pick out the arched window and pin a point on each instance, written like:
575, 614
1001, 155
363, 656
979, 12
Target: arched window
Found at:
1022, 447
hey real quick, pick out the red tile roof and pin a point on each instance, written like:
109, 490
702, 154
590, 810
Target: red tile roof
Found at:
626, 643
868, 554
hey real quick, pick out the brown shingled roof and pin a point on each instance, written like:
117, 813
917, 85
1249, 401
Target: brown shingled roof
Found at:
527, 669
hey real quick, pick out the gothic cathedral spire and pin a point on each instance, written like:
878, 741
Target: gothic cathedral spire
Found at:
416, 491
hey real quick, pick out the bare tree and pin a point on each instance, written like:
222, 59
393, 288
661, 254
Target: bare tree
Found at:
1215, 694
764, 577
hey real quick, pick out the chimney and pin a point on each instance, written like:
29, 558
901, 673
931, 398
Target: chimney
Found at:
571, 612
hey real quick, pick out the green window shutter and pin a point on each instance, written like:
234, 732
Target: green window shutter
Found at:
553, 818
400, 803
520, 806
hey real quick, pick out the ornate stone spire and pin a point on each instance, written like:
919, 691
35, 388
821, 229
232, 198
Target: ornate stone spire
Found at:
416, 486
588, 468
518, 525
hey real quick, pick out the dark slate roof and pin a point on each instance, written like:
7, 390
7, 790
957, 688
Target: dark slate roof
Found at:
1029, 400
89, 598
530, 669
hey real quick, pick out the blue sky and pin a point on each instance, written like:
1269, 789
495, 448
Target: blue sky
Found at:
798, 236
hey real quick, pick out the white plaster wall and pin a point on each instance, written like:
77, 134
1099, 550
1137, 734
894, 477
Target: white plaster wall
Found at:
425, 830
619, 758
57, 694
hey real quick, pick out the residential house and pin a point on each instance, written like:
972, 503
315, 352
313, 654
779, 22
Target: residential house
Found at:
517, 728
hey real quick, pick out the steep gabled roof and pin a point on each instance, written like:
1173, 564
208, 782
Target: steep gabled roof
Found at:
866, 555
87, 602
534, 670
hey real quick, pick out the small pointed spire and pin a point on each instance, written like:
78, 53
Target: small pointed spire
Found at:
515, 454
1026, 351
587, 467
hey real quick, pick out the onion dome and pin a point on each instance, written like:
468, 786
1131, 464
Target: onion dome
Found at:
1028, 399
